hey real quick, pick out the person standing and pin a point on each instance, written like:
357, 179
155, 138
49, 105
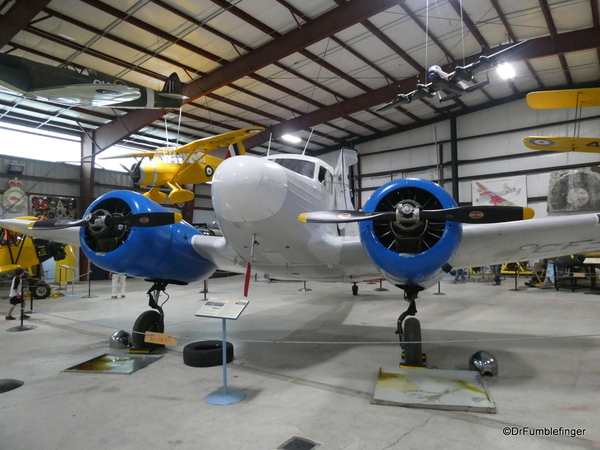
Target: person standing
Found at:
496, 271
16, 294
118, 279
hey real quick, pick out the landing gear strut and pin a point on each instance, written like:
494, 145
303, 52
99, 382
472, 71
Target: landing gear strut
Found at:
409, 330
150, 320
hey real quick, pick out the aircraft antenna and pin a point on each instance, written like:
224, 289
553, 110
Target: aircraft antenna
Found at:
269, 146
307, 141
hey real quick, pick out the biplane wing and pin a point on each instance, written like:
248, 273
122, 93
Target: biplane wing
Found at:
205, 145
563, 144
567, 98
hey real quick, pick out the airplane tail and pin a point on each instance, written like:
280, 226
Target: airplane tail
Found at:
343, 190
235, 149
173, 87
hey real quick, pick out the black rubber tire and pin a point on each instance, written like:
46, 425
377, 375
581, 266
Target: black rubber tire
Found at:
207, 353
40, 291
147, 321
413, 353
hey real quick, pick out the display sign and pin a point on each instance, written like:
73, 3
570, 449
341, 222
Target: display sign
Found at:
222, 308
160, 338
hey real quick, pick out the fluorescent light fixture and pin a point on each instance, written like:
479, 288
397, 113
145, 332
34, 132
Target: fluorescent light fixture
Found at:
291, 138
506, 71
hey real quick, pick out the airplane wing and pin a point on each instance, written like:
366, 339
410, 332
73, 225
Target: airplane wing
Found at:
423, 90
567, 98
207, 144
485, 62
101, 95
527, 240
563, 144
69, 236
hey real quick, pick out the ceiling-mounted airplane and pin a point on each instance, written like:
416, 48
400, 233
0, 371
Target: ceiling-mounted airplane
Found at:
188, 164
567, 98
86, 88
454, 82
411, 232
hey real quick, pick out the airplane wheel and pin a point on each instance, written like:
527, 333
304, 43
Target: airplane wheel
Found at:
412, 333
207, 353
40, 291
147, 321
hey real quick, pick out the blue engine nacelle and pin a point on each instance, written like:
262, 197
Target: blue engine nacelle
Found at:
158, 253
410, 254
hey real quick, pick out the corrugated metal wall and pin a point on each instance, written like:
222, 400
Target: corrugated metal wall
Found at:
490, 145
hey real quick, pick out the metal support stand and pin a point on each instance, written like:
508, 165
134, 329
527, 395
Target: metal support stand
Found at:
72, 294
305, 289
438, 292
205, 290
381, 288
31, 310
89, 277
22, 327
225, 397
516, 279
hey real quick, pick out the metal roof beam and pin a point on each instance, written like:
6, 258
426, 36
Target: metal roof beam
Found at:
18, 17
323, 26
547, 46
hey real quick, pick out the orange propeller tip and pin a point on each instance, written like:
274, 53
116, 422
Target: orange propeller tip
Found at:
528, 213
303, 217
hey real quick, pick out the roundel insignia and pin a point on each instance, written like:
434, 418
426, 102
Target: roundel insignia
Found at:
208, 170
344, 216
106, 91
144, 220
476, 215
542, 142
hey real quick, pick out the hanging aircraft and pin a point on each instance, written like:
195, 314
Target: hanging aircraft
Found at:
410, 231
454, 82
188, 164
567, 98
86, 88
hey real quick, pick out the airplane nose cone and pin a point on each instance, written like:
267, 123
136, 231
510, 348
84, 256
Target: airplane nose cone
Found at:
248, 189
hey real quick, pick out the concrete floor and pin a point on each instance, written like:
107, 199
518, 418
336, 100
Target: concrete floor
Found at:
546, 343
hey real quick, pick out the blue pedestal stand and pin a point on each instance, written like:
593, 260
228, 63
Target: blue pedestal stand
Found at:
225, 397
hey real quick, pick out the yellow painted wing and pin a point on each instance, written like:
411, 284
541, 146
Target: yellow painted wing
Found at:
567, 98
206, 144
563, 144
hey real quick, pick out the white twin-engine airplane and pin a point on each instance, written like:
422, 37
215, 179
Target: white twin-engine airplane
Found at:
284, 217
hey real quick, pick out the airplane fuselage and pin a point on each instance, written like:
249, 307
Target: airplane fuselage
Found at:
257, 202
88, 88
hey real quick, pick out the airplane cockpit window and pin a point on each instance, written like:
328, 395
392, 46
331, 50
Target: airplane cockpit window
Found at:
299, 166
89, 72
325, 178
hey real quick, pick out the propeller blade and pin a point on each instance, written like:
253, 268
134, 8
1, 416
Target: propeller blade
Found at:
462, 214
479, 214
341, 216
145, 220
58, 224
155, 219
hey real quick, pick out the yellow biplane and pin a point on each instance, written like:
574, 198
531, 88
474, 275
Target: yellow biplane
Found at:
188, 164
568, 98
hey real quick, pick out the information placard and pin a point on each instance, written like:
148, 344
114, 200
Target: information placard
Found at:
222, 308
